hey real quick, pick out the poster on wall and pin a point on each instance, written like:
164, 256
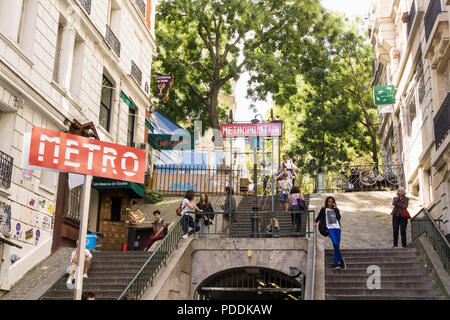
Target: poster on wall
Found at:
5, 217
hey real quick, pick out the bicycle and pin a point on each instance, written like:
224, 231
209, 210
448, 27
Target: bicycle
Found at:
348, 182
371, 176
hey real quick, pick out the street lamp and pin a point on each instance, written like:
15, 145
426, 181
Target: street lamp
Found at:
255, 218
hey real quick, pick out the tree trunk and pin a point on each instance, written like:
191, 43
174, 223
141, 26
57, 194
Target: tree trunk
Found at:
212, 107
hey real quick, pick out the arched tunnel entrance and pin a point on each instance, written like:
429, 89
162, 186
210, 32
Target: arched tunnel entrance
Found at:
252, 283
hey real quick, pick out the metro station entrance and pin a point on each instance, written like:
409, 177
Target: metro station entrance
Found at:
252, 283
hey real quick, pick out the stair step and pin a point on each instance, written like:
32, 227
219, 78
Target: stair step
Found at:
384, 271
376, 254
382, 259
368, 250
384, 278
116, 264
382, 265
99, 294
381, 292
419, 285
383, 297
95, 287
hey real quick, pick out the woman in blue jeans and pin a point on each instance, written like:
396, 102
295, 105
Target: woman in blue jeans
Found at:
329, 219
188, 206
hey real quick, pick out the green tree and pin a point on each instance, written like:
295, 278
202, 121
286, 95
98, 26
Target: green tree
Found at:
331, 118
205, 44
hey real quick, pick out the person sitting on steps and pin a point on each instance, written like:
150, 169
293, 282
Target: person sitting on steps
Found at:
158, 230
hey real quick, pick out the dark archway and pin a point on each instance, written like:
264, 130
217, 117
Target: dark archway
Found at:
251, 283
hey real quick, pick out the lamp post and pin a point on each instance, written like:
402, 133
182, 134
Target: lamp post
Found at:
255, 218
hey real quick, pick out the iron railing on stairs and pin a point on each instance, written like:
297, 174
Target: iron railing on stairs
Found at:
423, 223
144, 277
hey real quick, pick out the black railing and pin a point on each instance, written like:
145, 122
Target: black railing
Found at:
6, 166
434, 8
411, 17
144, 277
362, 177
141, 5
442, 122
86, 4
173, 179
112, 41
423, 223
136, 72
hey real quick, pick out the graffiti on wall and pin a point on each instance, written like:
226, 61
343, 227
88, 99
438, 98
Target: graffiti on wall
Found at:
5, 217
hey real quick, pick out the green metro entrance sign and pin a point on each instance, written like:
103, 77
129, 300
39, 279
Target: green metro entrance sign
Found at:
384, 94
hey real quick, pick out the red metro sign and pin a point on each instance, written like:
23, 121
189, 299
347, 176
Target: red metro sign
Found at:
67, 152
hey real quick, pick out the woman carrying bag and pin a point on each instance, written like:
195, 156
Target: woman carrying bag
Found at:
400, 216
329, 225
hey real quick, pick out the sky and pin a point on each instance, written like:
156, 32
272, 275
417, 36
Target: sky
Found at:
351, 8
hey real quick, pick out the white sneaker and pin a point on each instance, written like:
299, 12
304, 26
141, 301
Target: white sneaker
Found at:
185, 236
85, 275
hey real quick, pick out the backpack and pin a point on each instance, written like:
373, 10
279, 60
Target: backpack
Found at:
323, 227
179, 209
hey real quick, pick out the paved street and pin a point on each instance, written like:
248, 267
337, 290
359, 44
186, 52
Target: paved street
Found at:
366, 220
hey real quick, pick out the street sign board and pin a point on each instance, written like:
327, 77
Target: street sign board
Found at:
251, 130
384, 94
67, 152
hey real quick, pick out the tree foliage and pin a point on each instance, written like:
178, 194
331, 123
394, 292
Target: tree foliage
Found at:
205, 44
332, 115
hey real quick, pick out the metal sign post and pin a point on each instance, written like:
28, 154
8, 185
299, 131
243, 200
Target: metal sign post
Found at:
86, 196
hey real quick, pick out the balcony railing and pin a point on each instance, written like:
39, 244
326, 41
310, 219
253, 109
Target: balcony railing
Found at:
6, 165
73, 205
141, 5
112, 41
412, 16
442, 122
86, 4
136, 72
434, 8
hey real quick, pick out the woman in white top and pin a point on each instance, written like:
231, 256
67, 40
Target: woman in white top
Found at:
187, 207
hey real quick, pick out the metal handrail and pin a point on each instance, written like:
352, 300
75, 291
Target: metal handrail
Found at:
422, 223
144, 277
313, 276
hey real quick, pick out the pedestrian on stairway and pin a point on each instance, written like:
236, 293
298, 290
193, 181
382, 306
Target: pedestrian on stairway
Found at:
229, 208
297, 203
158, 230
285, 189
73, 266
329, 219
290, 166
187, 206
204, 219
400, 202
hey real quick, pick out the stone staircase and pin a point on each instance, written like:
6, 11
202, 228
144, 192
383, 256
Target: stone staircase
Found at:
403, 276
243, 224
108, 276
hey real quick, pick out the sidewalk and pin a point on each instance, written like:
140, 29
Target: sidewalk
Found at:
366, 220
39, 279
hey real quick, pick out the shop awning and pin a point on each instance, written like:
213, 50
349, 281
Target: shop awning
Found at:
135, 190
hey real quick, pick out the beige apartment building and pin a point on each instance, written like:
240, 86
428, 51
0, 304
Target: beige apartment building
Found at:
79, 66
412, 50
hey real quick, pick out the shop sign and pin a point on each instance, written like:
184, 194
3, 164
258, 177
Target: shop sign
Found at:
71, 153
165, 142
